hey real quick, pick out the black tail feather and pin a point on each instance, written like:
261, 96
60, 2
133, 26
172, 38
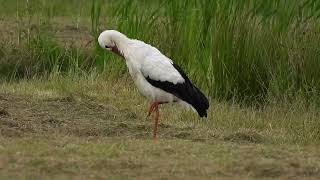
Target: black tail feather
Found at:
194, 96
199, 102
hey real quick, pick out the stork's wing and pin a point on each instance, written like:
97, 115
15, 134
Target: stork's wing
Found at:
163, 74
160, 68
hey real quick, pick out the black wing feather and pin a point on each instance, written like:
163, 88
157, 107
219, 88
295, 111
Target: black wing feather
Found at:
185, 91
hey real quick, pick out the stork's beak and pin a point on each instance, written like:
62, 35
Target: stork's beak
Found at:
108, 48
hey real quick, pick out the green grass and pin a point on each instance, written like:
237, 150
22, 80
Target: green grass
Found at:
249, 51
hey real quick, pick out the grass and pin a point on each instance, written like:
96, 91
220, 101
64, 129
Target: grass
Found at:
282, 123
212, 40
122, 160
69, 128
69, 110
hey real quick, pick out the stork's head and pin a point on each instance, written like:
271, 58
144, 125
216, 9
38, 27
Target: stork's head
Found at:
111, 40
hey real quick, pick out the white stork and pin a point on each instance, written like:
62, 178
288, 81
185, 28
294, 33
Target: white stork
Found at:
154, 74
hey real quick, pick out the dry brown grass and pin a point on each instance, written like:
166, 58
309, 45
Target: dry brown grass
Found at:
82, 128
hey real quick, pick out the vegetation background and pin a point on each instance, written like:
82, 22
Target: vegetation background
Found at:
69, 109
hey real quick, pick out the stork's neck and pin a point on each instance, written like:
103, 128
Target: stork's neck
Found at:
122, 42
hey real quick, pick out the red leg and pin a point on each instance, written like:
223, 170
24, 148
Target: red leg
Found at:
156, 121
152, 108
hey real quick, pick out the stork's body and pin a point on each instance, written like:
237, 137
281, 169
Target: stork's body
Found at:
154, 74
137, 52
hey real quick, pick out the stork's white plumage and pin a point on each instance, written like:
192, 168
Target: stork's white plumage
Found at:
154, 74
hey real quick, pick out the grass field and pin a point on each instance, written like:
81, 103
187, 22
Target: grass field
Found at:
65, 129
69, 110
